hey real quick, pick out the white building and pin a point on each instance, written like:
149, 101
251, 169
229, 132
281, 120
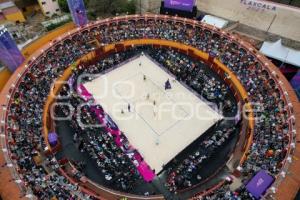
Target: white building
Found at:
50, 7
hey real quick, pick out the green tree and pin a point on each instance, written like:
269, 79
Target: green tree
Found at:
131, 7
63, 4
112, 7
91, 15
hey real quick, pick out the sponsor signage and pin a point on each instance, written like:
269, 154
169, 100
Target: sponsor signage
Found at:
258, 5
186, 5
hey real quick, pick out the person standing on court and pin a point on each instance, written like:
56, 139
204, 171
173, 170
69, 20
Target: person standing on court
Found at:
129, 108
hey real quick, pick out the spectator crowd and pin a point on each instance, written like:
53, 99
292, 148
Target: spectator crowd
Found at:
25, 111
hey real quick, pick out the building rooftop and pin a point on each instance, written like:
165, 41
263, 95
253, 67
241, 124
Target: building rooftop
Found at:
11, 10
6, 5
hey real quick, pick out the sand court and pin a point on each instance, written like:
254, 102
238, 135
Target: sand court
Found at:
160, 123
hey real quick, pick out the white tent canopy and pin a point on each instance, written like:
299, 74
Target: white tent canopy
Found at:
215, 21
279, 52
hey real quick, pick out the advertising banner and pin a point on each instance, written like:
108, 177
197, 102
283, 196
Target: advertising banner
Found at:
258, 185
78, 12
10, 54
186, 5
295, 82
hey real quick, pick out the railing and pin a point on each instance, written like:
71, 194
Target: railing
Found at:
209, 191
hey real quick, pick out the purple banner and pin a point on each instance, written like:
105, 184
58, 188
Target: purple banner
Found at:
110, 123
186, 5
10, 54
52, 139
295, 82
258, 185
78, 12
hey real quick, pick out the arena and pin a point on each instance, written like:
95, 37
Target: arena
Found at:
148, 106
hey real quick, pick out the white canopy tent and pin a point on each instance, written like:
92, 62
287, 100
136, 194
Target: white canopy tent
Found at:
215, 21
280, 52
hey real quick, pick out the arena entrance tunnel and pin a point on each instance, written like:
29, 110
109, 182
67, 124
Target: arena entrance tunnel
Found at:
240, 94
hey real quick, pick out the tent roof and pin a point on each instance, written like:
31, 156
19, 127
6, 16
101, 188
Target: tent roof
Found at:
280, 52
215, 21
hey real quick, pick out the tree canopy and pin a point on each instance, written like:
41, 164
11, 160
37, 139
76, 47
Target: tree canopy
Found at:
63, 4
112, 6
103, 7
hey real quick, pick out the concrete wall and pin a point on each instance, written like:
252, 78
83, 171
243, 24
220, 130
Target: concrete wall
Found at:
272, 17
49, 7
148, 6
